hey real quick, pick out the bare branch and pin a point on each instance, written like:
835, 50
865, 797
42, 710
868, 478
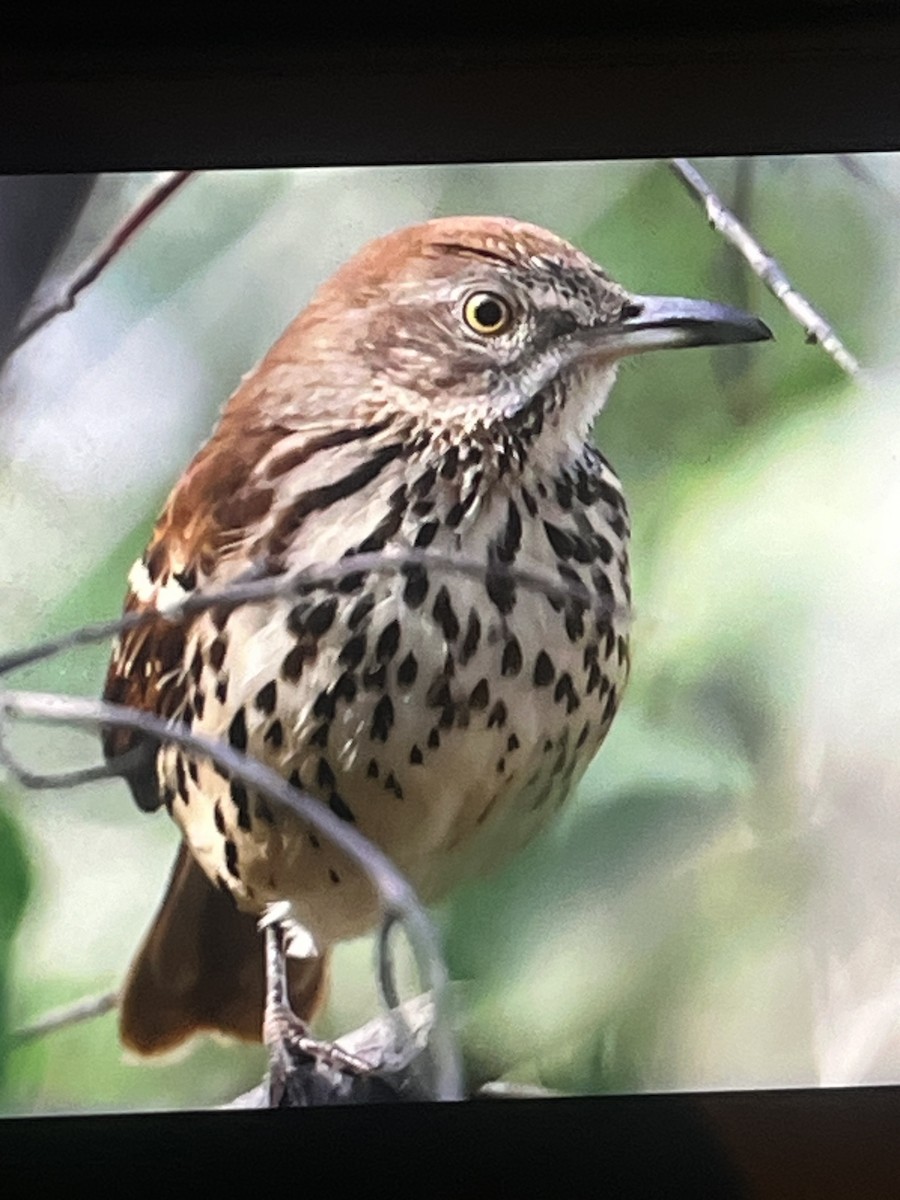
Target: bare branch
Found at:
70, 1014
723, 220
254, 590
91, 269
398, 898
121, 766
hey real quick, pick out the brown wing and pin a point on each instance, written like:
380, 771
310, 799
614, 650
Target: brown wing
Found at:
199, 538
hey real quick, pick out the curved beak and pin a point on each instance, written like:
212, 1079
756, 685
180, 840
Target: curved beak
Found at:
657, 322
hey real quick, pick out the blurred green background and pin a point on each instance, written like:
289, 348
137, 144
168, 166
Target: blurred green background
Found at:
719, 906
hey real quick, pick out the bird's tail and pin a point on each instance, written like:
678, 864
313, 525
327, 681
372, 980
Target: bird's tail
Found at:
201, 967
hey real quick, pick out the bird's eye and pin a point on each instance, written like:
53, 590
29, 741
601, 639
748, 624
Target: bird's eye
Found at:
487, 313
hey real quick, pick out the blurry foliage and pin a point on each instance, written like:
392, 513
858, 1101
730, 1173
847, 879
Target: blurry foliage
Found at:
653, 937
14, 887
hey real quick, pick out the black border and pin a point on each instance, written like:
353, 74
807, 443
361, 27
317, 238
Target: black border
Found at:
651, 82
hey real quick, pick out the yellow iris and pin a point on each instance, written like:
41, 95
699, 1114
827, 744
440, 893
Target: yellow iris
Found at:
487, 313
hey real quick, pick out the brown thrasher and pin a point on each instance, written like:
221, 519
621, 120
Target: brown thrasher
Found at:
438, 392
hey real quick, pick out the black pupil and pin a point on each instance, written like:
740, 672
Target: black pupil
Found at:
488, 313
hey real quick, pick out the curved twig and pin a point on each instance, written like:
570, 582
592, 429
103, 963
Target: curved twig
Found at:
101, 258
255, 590
398, 898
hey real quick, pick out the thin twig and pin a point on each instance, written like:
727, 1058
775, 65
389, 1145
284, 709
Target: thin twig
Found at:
386, 975
398, 898
89, 270
70, 1014
257, 590
723, 220
114, 769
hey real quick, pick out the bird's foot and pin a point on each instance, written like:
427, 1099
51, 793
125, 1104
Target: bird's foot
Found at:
292, 1048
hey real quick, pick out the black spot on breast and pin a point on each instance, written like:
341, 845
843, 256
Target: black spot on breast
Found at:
509, 541
563, 493
241, 803
388, 526
372, 769
425, 483
451, 463
217, 653
296, 619
501, 590
388, 642
345, 687
480, 695
447, 717
231, 859
222, 691
374, 680
193, 770
382, 719
340, 808
391, 785
168, 798
319, 736
292, 666
511, 663
181, 779
295, 781
438, 695
416, 587
543, 669
325, 776
472, 638
351, 583
425, 536
218, 818
498, 715
559, 540
565, 690
443, 613
321, 618
434, 739
197, 666
611, 703
199, 705
408, 670
333, 875
455, 515
416, 757
325, 705
512, 742
604, 548
313, 841
361, 609
263, 812
237, 730
353, 651
275, 734
530, 502
582, 737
